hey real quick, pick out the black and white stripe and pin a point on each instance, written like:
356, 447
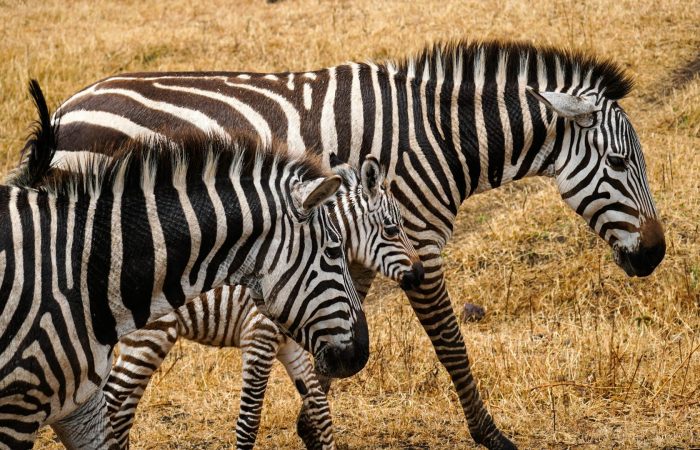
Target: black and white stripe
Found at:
370, 226
456, 120
97, 252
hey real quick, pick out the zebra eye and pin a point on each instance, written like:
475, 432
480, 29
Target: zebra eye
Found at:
392, 231
390, 228
334, 252
617, 162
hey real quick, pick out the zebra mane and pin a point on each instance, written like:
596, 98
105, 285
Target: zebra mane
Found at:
184, 160
574, 66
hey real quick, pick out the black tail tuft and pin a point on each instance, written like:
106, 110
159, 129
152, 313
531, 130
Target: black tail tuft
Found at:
41, 145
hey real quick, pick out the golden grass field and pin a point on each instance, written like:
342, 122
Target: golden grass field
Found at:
571, 354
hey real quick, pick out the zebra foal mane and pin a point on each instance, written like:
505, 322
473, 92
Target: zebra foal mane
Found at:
186, 158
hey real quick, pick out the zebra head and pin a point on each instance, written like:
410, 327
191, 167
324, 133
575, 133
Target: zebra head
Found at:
370, 222
601, 174
308, 292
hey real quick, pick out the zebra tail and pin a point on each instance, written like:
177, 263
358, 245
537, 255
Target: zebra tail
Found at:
41, 144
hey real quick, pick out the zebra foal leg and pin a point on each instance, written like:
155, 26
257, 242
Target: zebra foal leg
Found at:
259, 350
314, 424
141, 354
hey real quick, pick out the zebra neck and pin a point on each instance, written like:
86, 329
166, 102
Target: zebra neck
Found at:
508, 136
487, 133
469, 135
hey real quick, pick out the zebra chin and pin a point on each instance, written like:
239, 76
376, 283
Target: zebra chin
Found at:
344, 360
648, 255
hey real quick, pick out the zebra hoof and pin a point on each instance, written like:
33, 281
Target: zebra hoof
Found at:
499, 442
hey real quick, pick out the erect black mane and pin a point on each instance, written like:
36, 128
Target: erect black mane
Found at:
614, 81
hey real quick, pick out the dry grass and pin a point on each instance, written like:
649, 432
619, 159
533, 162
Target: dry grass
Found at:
572, 353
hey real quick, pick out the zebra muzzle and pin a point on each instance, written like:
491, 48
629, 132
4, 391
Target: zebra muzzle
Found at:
344, 360
649, 254
413, 278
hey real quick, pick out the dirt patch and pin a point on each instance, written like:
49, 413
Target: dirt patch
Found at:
678, 79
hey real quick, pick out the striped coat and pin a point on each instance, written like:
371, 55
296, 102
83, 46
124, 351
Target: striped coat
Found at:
457, 119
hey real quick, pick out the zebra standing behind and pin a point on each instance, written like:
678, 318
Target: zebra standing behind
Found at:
370, 226
94, 254
458, 119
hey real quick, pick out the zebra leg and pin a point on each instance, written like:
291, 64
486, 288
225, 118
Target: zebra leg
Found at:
87, 427
259, 350
431, 303
314, 424
141, 354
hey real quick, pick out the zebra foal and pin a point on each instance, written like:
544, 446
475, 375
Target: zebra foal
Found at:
95, 253
370, 227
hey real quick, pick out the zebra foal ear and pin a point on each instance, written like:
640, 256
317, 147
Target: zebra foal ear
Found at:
372, 176
313, 193
566, 105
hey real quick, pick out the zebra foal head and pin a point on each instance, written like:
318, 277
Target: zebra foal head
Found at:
370, 221
601, 174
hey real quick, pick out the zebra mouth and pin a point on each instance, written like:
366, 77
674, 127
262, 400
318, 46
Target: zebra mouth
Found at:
345, 359
640, 263
623, 261
340, 361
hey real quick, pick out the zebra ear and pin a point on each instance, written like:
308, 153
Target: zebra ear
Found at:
567, 105
313, 193
371, 175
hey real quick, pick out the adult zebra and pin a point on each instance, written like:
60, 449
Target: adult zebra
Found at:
96, 253
456, 120
370, 226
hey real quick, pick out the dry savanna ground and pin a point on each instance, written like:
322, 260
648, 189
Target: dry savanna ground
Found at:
571, 354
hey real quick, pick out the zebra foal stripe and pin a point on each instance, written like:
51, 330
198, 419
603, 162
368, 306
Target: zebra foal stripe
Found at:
457, 119
98, 251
